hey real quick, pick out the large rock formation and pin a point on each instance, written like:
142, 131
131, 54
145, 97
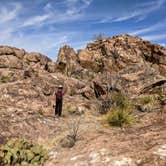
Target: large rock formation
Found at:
123, 64
134, 63
14, 58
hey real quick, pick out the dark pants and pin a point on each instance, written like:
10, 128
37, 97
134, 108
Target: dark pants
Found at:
58, 107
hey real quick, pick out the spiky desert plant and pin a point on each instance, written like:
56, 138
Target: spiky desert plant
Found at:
121, 112
119, 117
22, 152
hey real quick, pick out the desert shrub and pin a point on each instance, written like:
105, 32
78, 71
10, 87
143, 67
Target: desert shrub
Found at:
40, 112
105, 105
119, 117
90, 75
4, 79
161, 113
99, 36
70, 109
22, 152
72, 91
116, 100
120, 113
74, 128
162, 97
146, 103
73, 133
147, 99
121, 101
78, 76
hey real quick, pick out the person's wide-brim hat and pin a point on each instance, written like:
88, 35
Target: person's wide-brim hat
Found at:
60, 86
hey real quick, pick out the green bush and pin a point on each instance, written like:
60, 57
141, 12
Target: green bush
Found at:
121, 101
119, 117
162, 97
120, 113
146, 100
115, 100
21, 152
4, 79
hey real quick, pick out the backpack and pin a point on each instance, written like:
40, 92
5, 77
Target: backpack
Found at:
59, 95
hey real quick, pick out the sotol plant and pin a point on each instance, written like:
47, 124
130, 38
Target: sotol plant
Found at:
121, 113
119, 117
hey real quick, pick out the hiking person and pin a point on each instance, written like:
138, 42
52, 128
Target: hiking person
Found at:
59, 101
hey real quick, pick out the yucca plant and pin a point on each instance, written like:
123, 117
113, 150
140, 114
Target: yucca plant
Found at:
121, 112
121, 101
119, 117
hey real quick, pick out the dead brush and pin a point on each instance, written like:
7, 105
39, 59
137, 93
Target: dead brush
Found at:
160, 116
73, 133
73, 128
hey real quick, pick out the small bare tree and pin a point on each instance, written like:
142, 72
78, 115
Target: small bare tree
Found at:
73, 128
73, 132
99, 36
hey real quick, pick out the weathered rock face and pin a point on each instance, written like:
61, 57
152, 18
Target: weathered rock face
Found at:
123, 64
90, 61
67, 60
133, 62
121, 51
11, 57
14, 58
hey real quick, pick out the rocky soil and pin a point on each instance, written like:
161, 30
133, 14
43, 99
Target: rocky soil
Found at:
125, 64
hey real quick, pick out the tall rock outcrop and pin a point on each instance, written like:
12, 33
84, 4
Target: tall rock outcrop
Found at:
67, 60
14, 58
133, 62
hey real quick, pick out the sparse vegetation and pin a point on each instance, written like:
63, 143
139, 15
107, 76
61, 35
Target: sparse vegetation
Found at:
74, 128
146, 102
121, 112
99, 36
119, 117
162, 97
77, 75
146, 99
121, 101
70, 109
4, 79
73, 132
105, 105
40, 112
90, 75
161, 114
72, 91
98, 60
22, 152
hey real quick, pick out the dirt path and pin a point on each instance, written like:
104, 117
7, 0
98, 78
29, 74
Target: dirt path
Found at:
144, 143
137, 145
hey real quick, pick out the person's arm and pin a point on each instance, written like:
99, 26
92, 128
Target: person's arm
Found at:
54, 94
64, 90
63, 93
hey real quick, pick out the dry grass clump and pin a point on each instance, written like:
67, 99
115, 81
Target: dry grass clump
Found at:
4, 78
147, 99
119, 118
121, 113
